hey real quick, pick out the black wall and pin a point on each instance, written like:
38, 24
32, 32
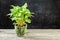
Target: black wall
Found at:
46, 13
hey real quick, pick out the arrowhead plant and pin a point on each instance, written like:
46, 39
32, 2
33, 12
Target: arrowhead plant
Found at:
20, 15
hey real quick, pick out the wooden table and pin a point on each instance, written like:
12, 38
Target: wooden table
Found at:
32, 34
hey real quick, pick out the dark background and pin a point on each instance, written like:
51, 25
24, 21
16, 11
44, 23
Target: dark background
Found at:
46, 13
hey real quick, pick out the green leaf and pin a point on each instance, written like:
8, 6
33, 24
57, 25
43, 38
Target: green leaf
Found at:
28, 20
20, 14
24, 6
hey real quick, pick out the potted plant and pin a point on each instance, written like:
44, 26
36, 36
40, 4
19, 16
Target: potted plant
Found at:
20, 15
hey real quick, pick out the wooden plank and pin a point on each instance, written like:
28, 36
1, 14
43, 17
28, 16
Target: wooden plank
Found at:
32, 34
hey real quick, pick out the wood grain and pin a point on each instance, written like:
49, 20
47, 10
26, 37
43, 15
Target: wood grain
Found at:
32, 34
